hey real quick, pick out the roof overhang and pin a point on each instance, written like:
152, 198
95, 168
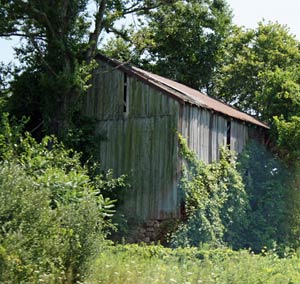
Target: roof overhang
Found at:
182, 93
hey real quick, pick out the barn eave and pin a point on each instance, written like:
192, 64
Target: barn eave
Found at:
183, 94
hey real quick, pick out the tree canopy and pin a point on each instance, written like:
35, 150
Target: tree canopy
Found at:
182, 41
193, 42
60, 40
259, 73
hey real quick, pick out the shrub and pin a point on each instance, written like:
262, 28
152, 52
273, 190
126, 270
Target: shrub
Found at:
53, 216
249, 203
42, 242
268, 186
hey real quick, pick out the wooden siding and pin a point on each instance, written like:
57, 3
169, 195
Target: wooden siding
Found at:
141, 143
105, 99
239, 136
206, 132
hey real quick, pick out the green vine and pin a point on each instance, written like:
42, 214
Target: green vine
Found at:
215, 200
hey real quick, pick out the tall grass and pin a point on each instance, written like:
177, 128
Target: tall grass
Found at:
133, 264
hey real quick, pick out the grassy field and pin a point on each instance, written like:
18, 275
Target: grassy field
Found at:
126, 264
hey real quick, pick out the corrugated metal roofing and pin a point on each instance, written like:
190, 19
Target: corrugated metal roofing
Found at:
184, 93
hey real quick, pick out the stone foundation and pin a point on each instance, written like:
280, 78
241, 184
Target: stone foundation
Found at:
152, 231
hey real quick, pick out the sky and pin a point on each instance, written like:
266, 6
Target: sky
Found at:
249, 12
246, 13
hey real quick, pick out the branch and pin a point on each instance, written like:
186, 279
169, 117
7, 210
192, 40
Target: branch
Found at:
37, 127
31, 38
134, 8
120, 33
12, 34
130, 8
43, 15
65, 13
37, 36
93, 39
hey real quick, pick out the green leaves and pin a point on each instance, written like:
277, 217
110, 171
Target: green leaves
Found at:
215, 201
252, 203
187, 37
288, 133
53, 215
259, 72
181, 40
268, 186
260, 75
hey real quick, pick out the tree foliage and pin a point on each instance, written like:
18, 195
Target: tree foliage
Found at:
60, 42
258, 73
188, 50
252, 202
270, 218
182, 41
193, 42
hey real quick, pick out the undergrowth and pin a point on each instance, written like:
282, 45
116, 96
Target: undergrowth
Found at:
128, 264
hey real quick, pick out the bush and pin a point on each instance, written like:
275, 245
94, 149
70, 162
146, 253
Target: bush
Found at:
39, 243
268, 186
249, 203
53, 216
252, 203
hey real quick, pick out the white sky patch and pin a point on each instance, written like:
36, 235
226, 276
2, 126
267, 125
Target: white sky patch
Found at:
6, 49
249, 13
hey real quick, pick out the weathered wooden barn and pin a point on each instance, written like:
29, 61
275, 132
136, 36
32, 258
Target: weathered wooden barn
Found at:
138, 116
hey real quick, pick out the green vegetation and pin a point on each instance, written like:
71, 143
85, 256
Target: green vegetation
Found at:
270, 218
59, 44
133, 264
215, 201
259, 73
255, 70
249, 202
53, 216
55, 213
199, 41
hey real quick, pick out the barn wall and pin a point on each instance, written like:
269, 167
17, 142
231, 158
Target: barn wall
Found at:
239, 136
141, 143
207, 131
105, 98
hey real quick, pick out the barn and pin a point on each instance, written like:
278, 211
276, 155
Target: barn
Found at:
138, 115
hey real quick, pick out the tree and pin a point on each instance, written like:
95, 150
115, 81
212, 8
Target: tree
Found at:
58, 51
270, 217
259, 73
182, 41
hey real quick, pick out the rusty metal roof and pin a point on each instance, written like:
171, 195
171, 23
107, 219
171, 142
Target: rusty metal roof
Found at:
184, 93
